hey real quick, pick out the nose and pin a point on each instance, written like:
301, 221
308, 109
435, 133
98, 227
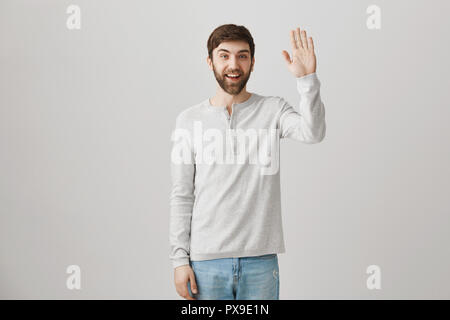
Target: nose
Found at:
233, 64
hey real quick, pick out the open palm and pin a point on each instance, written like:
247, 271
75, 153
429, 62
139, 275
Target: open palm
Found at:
303, 60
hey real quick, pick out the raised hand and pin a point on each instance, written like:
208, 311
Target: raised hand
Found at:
303, 60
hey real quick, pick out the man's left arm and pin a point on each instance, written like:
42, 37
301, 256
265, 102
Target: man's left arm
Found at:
308, 123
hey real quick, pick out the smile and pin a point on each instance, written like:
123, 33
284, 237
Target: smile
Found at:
233, 77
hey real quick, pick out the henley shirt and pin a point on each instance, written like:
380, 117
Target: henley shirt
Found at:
225, 200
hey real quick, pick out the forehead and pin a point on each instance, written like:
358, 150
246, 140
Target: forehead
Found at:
233, 47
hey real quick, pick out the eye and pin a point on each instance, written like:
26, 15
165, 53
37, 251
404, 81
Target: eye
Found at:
223, 55
245, 57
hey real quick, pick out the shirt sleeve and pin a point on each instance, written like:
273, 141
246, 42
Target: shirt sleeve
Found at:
308, 123
182, 194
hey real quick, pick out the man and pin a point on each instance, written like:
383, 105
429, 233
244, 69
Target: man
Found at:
225, 221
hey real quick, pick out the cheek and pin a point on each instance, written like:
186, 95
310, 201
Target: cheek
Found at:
219, 69
248, 67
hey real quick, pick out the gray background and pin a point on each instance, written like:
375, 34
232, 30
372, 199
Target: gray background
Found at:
85, 123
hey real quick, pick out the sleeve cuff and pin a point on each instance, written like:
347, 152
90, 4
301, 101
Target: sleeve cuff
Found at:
307, 82
180, 262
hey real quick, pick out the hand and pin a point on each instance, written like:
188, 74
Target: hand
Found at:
303, 58
183, 274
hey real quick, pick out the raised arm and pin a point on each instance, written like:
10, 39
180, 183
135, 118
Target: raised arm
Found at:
308, 123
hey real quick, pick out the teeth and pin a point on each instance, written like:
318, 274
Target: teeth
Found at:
233, 75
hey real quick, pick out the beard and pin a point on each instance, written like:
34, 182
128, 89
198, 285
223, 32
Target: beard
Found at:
232, 87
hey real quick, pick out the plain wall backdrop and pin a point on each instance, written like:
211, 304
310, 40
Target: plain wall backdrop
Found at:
86, 118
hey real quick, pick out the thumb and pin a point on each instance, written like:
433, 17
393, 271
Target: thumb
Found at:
287, 58
193, 283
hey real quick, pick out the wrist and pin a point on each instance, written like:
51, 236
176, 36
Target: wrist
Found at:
301, 75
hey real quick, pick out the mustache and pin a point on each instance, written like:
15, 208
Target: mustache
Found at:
233, 72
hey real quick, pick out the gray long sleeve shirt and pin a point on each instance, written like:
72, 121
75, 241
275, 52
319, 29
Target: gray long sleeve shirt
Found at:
225, 199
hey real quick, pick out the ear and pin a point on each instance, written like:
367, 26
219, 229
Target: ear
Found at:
209, 62
253, 64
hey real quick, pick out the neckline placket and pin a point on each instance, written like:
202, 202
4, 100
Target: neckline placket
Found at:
235, 107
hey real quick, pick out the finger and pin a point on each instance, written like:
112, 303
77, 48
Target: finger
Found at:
303, 38
184, 293
286, 57
299, 41
188, 297
310, 44
193, 283
293, 42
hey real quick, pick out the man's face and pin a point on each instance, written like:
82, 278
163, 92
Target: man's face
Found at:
232, 58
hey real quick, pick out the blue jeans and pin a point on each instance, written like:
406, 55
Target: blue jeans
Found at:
245, 278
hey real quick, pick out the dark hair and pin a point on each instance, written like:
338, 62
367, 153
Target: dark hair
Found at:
230, 32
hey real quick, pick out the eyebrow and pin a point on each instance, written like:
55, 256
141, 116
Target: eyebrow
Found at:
245, 50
